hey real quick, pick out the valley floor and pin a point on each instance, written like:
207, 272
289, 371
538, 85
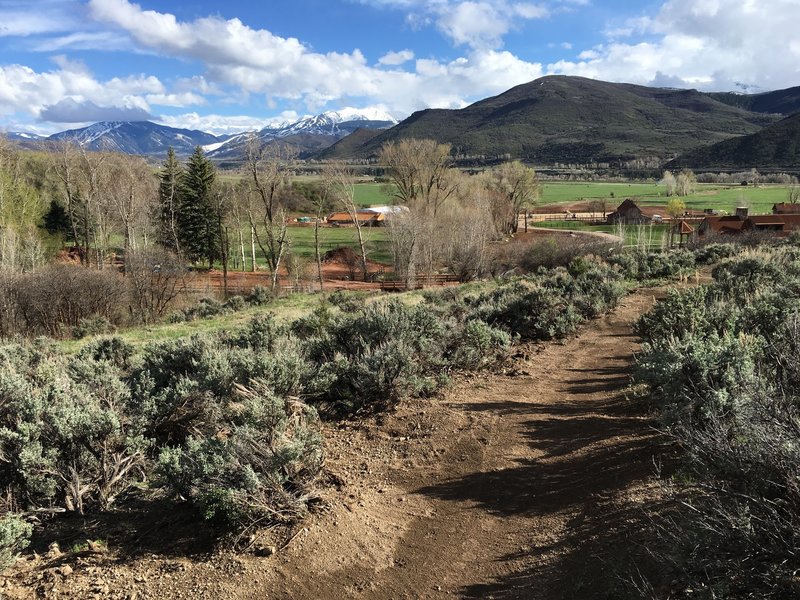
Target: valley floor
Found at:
531, 483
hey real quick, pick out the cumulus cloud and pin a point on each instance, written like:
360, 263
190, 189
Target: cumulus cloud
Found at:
71, 94
70, 110
479, 24
257, 61
708, 44
225, 124
396, 58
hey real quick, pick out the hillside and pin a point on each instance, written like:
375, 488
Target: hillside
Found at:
136, 137
774, 147
572, 119
347, 146
785, 102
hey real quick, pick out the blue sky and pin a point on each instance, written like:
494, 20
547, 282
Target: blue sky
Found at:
234, 66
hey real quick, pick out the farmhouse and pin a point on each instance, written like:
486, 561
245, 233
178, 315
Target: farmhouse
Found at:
366, 218
785, 208
629, 213
741, 222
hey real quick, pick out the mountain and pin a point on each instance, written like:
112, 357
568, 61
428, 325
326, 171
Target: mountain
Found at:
310, 134
22, 136
348, 145
578, 120
774, 147
136, 137
784, 102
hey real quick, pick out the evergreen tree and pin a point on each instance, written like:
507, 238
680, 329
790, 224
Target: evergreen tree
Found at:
170, 197
199, 233
56, 219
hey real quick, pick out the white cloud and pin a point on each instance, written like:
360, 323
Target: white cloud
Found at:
101, 40
25, 23
254, 61
224, 124
708, 44
396, 58
70, 110
176, 100
480, 24
70, 94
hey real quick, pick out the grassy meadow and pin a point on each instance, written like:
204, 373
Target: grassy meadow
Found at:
707, 195
302, 241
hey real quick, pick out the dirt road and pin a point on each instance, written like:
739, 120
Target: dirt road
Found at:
516, 485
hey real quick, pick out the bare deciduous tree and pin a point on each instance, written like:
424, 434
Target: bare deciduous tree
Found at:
268, 167
341, 183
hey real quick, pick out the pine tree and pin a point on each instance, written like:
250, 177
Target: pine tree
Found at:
170, 198
199, 233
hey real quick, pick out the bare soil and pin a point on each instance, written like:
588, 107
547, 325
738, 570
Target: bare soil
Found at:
528, 483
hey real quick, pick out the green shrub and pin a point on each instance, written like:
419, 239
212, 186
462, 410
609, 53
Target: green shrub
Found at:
260, 296
527, 309
722, 362
15, 536
259, 459
92, 326
235, 303
713, 253
476, 344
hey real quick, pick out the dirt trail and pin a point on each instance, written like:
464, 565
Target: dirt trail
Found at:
519, 474
516, 485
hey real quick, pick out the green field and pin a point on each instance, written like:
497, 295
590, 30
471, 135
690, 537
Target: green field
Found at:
302, 240
708, 195
561, 193
652, 233
372, 194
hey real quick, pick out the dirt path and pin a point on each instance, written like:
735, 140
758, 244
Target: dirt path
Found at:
516, 485
507, 485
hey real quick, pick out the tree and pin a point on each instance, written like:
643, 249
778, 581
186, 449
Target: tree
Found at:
56, 219
514, 188
197, 223
156, 277
421, 173
685, 183
268, 167
668, 181
131, 191
169, 199
423, 180
341, 181
793, 196
675, 209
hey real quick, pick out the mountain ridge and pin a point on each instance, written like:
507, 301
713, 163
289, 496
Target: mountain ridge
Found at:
577, 120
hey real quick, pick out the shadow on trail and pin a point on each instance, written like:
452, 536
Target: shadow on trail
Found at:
136, 528
605, 555
588, 447
540, 487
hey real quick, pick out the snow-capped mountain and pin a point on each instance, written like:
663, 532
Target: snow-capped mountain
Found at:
309, 134
136, 137
22, 136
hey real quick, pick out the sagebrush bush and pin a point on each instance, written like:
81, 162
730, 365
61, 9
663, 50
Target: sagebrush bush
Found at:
639, 265
258, 458
553, 304
92, 326
260, 296
15, 536
379, 354
722, 362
